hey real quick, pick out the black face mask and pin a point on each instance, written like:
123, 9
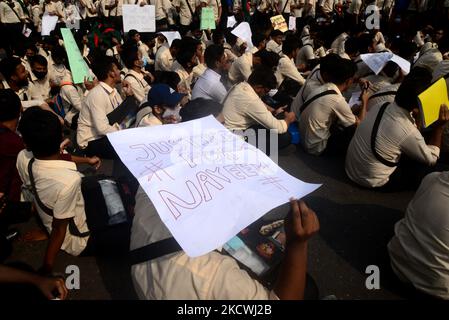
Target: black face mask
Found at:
40, 74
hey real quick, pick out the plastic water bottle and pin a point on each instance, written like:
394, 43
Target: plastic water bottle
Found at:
294, 132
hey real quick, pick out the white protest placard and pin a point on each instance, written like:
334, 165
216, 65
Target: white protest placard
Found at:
170, 36
377, 61
142, 19
206, 183
292, 23
243, 31
231, 22
48, 24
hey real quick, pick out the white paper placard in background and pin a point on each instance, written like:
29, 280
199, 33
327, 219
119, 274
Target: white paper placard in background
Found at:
243, 31
231, 22
292, 23
206, 183
142, 19
48, 24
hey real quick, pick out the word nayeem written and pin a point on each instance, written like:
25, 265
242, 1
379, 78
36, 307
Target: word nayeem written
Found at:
228, 158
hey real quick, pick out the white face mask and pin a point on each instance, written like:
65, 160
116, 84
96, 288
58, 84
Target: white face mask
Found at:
172, 112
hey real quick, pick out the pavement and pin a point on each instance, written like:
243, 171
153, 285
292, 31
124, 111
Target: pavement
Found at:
356, 225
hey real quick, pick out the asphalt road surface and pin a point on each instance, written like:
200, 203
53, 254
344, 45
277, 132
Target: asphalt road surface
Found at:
356, 225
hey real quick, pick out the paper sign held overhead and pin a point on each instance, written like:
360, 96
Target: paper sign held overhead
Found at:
78, 66
206, 183
170, 36
431, 100
377, 61
292, 23
48, 24
279, 23
207, 19
243, 31
142, 19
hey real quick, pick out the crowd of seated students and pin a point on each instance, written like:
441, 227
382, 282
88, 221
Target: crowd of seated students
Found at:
283, 83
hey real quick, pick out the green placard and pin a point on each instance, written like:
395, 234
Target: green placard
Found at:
78, 66
207, 19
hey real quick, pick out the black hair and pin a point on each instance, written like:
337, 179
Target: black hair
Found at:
41, 131
413, 84
268, 58
390, 69
257, 39
329, 63
364, 42
177, 43
170, 78
59, 55
130, 54
132, 33
217, 35
199, 108
230, 38
8, 67
290, 44
103, 66
185, 56
344, 71
38, 59
10, 105
276, 33
212, 55
351, 46
263, 76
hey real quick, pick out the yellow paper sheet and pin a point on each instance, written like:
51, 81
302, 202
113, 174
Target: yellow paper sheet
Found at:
279, 23
431, 100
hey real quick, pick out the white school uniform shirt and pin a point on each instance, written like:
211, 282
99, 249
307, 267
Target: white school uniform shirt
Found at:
419, 249
286, 4
72, 100
429, 56
36, 13
272, 46
185, 17
209, 86
328, 5
93, 6
164, 59
162, 7
58, 184
313, 81
354, 7
316, 120
24, 96
338, 45
287, 68
138, 84
243, 108
186, 78
297, 12
7, 14
214, 4
39, 89
305, 54
115, 12
93, 123
56, 8
241, 68
397, 134
177, 276
386, 94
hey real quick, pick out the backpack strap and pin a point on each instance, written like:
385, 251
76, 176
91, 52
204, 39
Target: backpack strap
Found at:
133, 76
382, 94
322, 94
285, 6
154, 250
374, 135
73, 229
